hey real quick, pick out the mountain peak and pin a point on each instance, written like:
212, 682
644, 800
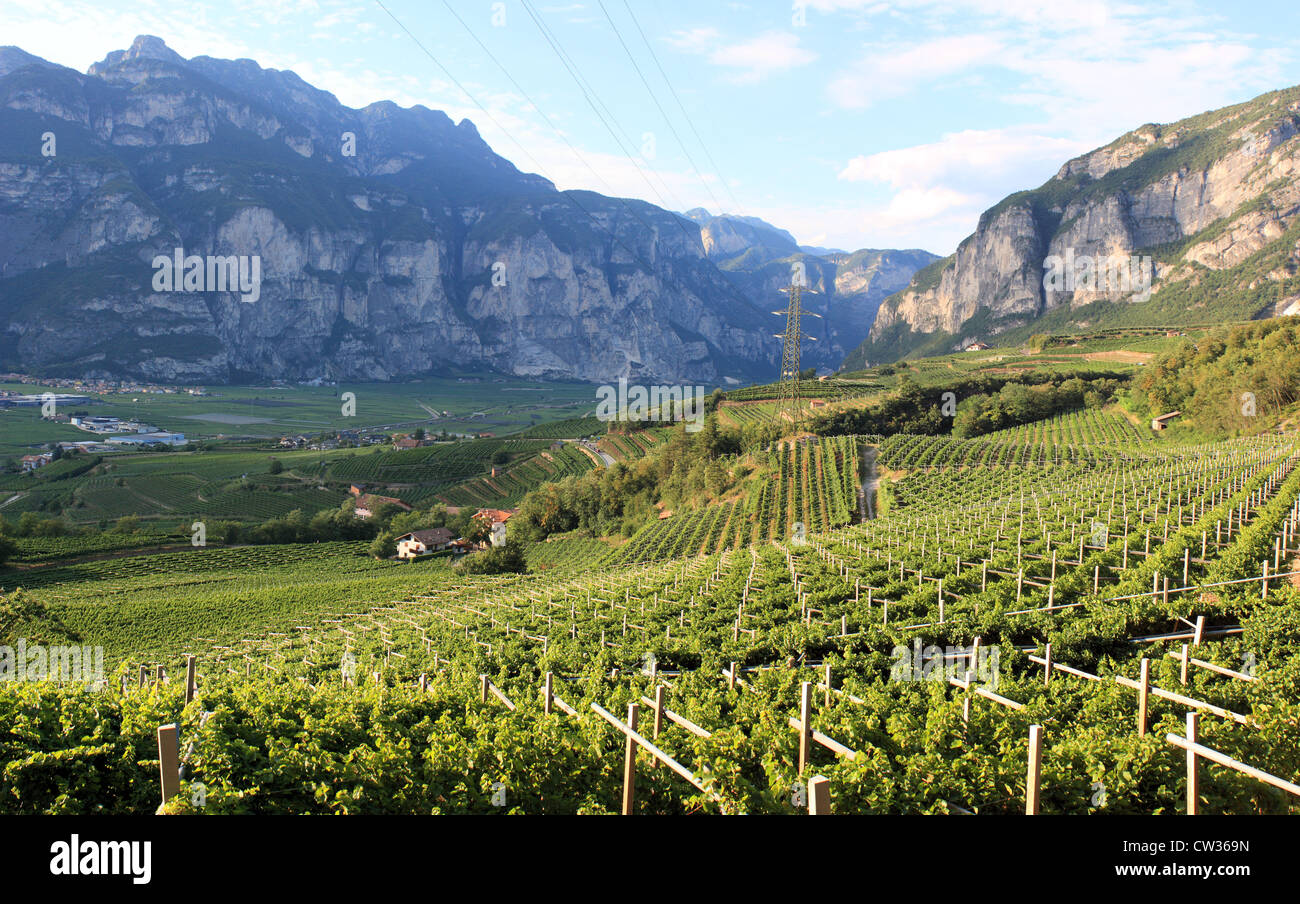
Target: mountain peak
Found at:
13, 58
148, 47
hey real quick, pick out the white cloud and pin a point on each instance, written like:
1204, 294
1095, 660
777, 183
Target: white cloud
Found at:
694, 40
935, 192
748, 61
894, 73
963, 158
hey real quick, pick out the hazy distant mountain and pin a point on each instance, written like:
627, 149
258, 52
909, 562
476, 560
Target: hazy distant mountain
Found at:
847, 288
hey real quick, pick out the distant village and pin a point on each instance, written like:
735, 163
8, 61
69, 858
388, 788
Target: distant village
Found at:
98, 387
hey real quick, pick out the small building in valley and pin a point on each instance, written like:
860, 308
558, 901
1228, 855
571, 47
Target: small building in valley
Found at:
158, 438
367, 503
32, 462
421, 542
1161, 422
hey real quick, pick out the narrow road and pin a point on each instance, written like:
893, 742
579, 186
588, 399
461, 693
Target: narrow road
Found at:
605, 457
869, 484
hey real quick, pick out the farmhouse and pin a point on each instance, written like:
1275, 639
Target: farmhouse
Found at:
368, 502
493, 516
32, 462
419, 542
1161, 422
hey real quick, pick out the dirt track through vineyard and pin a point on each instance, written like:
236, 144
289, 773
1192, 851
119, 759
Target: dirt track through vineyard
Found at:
870, 482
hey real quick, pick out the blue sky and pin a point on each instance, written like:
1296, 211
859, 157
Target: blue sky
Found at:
852, 123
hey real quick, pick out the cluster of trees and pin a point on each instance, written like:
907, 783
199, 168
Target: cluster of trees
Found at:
385, 525
1234, 380
505, 559
297, 527
686, 470
1017, 403
34, 524
934, 410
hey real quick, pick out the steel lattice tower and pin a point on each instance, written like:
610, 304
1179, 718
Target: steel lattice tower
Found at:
788, 404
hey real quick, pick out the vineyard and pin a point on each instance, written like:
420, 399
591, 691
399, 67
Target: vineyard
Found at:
1052, 602
815, 483
512, 484
439, 463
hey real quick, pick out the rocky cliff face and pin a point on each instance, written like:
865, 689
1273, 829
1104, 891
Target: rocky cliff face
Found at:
392, 242
1207, 205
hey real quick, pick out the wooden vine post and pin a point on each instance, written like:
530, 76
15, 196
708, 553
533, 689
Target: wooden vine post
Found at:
1035, 770
1193, 776
1144, 691
169, 754
659, 711
805, 729
189, 679
819, 796
629, 761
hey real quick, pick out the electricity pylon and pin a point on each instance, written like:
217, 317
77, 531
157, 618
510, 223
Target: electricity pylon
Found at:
788, 406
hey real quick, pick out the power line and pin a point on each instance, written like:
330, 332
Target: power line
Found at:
665, 273
513, 81
588, 93
655, 98
690, 122
566, 195
559, 132
526, 96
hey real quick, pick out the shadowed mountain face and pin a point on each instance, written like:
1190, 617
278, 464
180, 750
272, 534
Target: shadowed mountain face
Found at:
389, 242
1189, 223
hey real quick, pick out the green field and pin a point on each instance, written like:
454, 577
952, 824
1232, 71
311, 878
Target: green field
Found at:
479, 404
231, 479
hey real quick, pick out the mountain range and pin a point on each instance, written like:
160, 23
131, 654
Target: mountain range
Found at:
390, 243
1206, 206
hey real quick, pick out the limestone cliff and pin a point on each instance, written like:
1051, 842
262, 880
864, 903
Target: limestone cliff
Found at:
1208, 204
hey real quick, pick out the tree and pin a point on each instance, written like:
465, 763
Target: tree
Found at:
506, 559
127, 524
384, 546
276, 466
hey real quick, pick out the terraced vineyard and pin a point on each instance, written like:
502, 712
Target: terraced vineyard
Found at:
627, 446
1160, 576
513, 483
441, 463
